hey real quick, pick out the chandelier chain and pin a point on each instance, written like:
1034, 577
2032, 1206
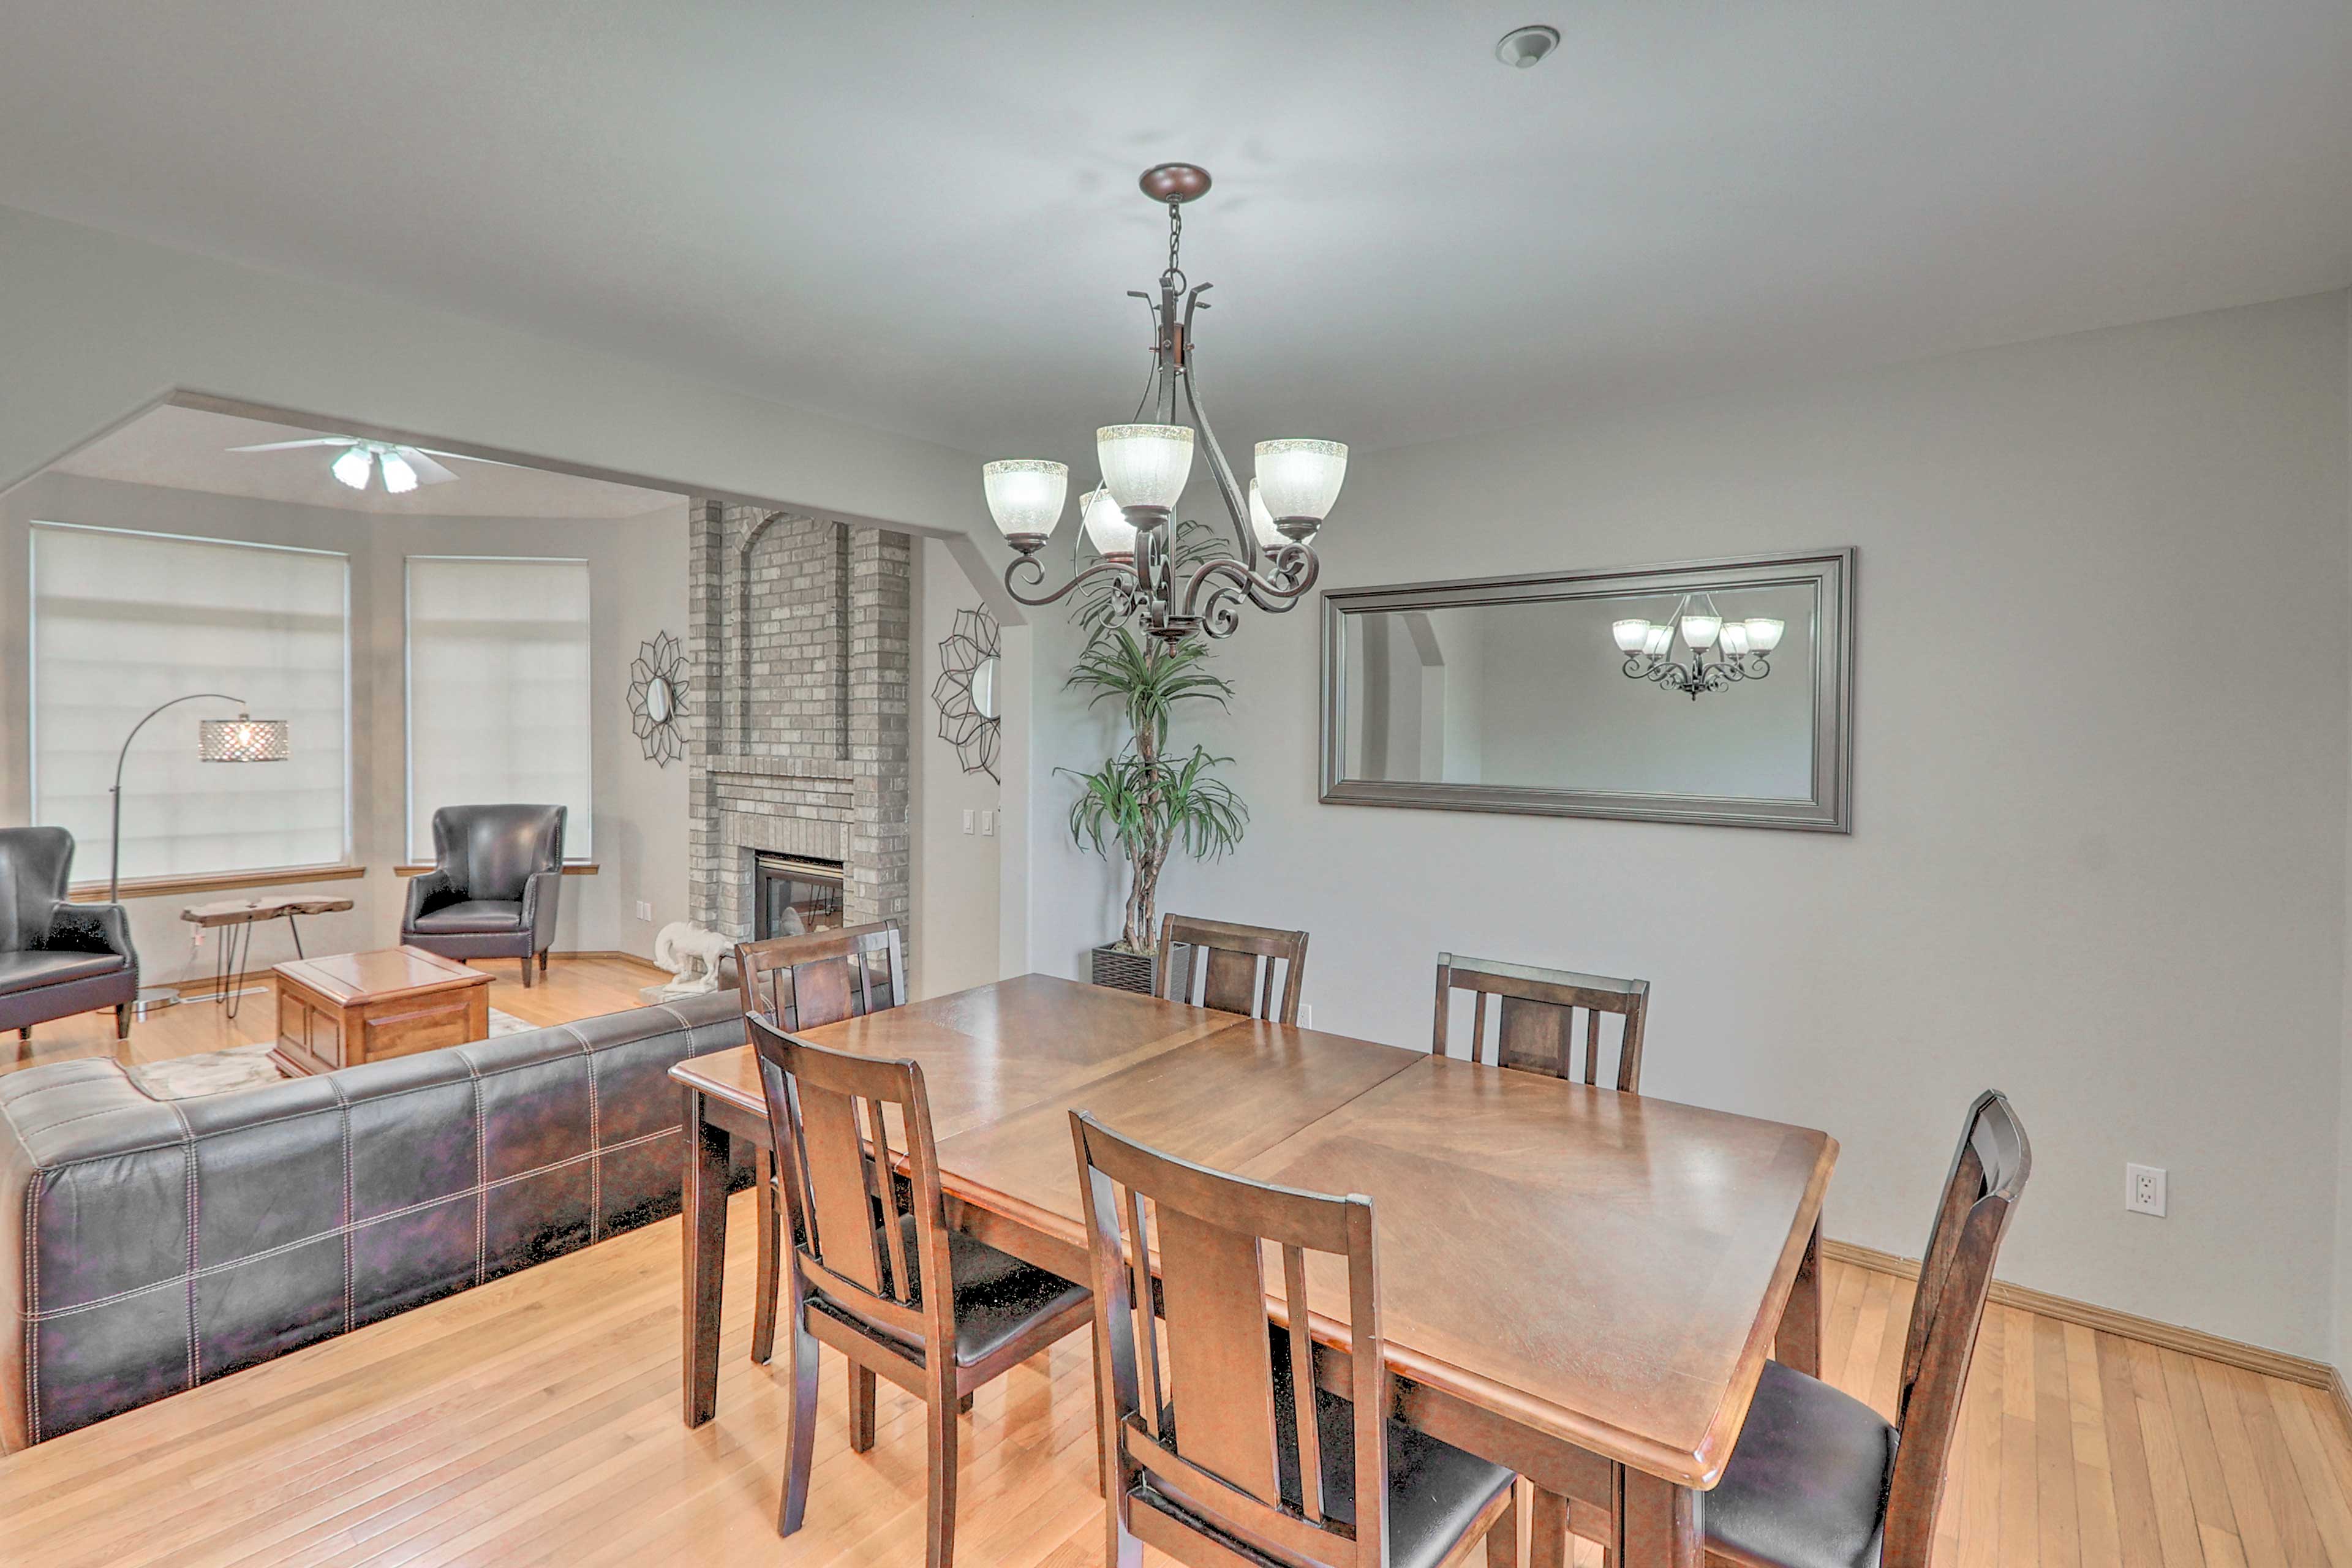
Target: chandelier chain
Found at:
1175, 233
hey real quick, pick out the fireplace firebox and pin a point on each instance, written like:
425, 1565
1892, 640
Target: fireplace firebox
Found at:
794, 895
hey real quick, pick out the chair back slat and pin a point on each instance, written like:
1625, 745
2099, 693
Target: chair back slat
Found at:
1231, 968
1234, 1457
801, 982
828, 1116
1536, 1020
1220, 1370
1987, 1176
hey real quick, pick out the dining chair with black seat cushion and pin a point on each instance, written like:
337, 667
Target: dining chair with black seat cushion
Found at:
497, 880
1535, 1024
1817, 1479
1211, 1455
57, 957
1231, 968
867, 1289
799, 983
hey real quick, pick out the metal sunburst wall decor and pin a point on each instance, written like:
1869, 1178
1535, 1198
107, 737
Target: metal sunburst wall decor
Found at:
657, 688
966, 692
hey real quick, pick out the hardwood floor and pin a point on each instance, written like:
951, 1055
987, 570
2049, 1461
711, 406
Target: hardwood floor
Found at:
535, 1421
571, 988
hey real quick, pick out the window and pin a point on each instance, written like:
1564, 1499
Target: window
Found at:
123, 622
498, 691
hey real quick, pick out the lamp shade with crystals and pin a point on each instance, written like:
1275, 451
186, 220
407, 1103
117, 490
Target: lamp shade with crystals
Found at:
243, 738
1144, 466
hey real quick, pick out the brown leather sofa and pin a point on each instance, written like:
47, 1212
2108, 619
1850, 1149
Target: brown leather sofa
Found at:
57, 958
496, 877
155, 1245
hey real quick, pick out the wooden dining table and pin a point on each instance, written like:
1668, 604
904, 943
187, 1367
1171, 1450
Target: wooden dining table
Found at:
1576, 1283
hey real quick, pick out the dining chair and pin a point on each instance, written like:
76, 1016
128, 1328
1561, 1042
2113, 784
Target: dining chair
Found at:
822, 977
1535, 1024
1232, 967
1216, 1454
871, 1291
799, 983
1817, 1479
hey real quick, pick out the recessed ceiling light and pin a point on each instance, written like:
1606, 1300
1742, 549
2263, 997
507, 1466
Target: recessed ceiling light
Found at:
1524, 47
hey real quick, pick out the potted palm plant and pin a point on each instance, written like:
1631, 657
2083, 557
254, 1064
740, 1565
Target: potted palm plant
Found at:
1148, 799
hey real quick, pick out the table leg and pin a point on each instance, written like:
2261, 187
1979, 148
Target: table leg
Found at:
1659, 1524
294, 929
702, 1227
1798, 1345
1547, 1544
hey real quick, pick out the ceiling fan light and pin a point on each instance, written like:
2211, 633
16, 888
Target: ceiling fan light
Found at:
1108, 528
399, 477
1025, 494
354, 467
1302, 479
1631, 634
1764, 633
1145, 465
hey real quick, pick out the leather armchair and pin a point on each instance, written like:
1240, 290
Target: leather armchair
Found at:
57, 958
497, 880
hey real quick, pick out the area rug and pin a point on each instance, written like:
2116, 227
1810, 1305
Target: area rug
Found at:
245, 1066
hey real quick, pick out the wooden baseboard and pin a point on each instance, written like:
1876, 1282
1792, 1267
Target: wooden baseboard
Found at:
647, 964
2128, 1325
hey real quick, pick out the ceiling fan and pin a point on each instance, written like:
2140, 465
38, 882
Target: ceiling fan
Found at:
402, 468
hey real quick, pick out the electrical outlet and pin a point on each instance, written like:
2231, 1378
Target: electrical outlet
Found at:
1306, 1016
645, 910
2144, 1189
988, 825
966, 819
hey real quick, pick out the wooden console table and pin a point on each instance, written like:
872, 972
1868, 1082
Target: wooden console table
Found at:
239, 916
354, 1007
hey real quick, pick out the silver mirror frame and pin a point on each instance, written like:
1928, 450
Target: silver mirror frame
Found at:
1830, 809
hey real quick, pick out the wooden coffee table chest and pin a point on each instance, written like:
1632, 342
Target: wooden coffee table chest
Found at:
344, 1009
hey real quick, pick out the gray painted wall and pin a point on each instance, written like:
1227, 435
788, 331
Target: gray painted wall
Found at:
2099, 852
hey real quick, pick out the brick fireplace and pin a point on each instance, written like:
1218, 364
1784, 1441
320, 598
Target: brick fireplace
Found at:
799, 631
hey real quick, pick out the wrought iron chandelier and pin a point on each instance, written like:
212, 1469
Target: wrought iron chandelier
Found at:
1145, 466
1742, 647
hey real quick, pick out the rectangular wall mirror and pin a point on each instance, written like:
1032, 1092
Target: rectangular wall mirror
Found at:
1579, 693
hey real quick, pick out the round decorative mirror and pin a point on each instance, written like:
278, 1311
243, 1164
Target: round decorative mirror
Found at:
966, 692
657, 698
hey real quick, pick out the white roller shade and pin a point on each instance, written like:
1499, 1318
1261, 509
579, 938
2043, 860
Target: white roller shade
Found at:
124, 621
498, 691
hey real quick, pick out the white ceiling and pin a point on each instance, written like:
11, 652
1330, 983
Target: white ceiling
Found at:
188, 450
924, 217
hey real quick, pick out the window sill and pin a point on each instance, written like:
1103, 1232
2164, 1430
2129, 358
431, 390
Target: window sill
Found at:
213, 883
571, 868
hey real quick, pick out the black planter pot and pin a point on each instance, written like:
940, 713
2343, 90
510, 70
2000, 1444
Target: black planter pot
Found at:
1119, 970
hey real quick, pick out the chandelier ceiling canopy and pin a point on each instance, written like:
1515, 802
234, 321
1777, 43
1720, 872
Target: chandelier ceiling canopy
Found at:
1145, 465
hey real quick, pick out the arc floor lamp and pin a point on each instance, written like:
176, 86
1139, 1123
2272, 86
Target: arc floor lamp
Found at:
244, 739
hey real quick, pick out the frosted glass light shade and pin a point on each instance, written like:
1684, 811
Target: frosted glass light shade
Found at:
1699, 631
1301, 479
354, 467
244, 739
1262, 522
1025, 494
1145, 465
399, 478
1106, 527
1660, 639
1735, 638
1764, 633
1631, 634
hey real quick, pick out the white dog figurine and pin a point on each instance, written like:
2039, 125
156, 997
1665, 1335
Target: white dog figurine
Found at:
692, 954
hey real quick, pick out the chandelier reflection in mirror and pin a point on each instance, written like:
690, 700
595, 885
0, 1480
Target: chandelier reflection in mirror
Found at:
1145, 465
1742, 648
